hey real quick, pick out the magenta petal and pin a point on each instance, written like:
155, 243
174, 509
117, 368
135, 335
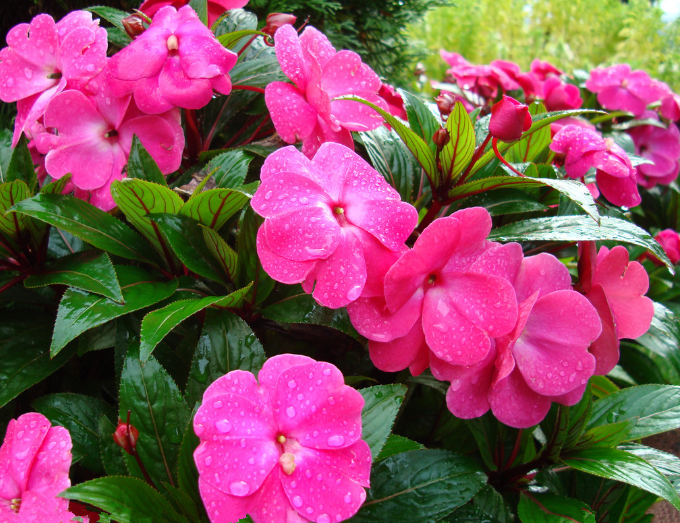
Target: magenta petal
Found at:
273, 367
280, 268
181, 90
323, 133
288, 159
158, 138
500, 260
213, 59
390, 221
570, 398
294, 118
542, 273
306, 234
90, 162
149, 97
231, 415
38, 507
619, 191
143, 58
235, 382
515, 404
83, 52
313, 405
316, 47
344, 74
606, 347
271, 504
379, 259
284, 192
289, 55
220, 505
357, 116
396, 355
372, 318
30, 430
49, 473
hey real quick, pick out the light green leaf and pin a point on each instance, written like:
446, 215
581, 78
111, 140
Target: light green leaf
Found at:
381, 404
457, 153
214, 207
225, 255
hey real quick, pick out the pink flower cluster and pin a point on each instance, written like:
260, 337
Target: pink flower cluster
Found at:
35, 459
288, 448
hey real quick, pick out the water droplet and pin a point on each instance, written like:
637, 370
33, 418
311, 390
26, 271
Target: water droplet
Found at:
208, 461
217, 404
297, 501
239, 488
290, 412
292, 384
335, 441
223, 426
323, 518
28, 73
354, 292
348, 498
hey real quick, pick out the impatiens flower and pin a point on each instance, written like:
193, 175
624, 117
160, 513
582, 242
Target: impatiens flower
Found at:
544, 70
394, 101
670, 242
35, 459
561, 96
545, 358
616, 287
333, 220
582, 149
216, 8
443, 295
276, 20
94, 136
662, 147
482, 79
620, 89
177, 61
509, 119
286, 449
43, 57
307, 110
670, 106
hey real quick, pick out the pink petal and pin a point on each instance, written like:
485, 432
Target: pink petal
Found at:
30, 430
28, 40
515, 404
474, 225
289, 55
313, 405
618, 98
231, 416
542, 273
158, 138
9, 488
294, 118
235, 382
357, 116
603, 77
273, 367
390, 221
271, 504
399, 353
323, 133
288, 159
31, 109
149, 98
379, 259
50, 471
143, 58
221, 84
372, 318
90, 162
280, 268
83, 52
202, 56
37, 507
619, 191
181, 90
643, 87
20, 79
221, 506
570, 398
316, 47
284, 192
310, 233
500, 260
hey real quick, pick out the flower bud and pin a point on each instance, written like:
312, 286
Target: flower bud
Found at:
276, 20
509, 119
126, 441
419, 70
441, 137
445, 103
134, 25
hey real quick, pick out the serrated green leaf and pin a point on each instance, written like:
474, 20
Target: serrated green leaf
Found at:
249, 269
90, 271
214, 207
186, 239
457, 153
229, 40
548, 508
80, 415
57, 186
110, 452
258, 72
663, 337
141, 164
80, 310
230, 168
579, 228
396, 444
491, 503
579, 415
21, 166
12, 193
110, 14
528, 148
606, 436
88, 223
225, 255
656, 407
187, 473
381, 404
425, 484
624, 467
420, 118
128, 500
227, 343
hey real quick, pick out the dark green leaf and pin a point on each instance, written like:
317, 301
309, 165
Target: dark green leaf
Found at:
57, 186
259, 72
214, 207
141, 164
624, 467
656, 407
227, 343
381, 404
10, 194
457, 153
110, 452
303, 308
391, 158
201, 8
115, 16
21, 166
80, 415
397, 445
128, 500
5, 152
225, 255
663, 337
667, 464
548, 508
632, 507
420, 118
578, 228
229, 40
230, 168
87, 223
425, 484
89, 271
102, 337
187, 473
606, 436
579, 415
484, 431
249, 269
80, 311
490, 501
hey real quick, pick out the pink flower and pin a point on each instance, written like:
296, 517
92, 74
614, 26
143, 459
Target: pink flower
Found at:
394, 101
670, 242
509, 119
661, 146
544, 359
35, 459
43, 57
94, 136
286, 449
307, 110
616, 287
544, 70
215, 7
177, 61
670, 105
483, 79
619, 89
334, 221
561, 96
442, 296
582, 149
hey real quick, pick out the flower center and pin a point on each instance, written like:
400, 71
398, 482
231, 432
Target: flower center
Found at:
609, 143
432, 279
281, 439
287, 461
338, 210
111, 134
624, 83
15, 504
54, 76
172, 43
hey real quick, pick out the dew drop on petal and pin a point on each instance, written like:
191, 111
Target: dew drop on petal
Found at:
297, 501
290, 412
335, 441
239, 488
223, 426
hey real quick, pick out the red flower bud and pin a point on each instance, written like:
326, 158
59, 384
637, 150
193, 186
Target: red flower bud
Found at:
276, 20
126, 441
441, 137
509, 119
134, 25
445, 103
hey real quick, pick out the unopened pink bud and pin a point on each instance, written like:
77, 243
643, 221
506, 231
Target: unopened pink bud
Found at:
276, 20
509, 119
134, 25
441, 137
124, 439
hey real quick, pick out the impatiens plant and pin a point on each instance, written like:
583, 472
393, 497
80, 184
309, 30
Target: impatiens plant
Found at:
243, 278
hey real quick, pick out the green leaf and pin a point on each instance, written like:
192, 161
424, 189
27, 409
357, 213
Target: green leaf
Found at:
632, 507
457, 153
110, 452
484, 431
396, 444
579, 415
187, 473
656, 407
201, 8
90, 271
229, 40
21, 166
249, 269
572, 189
57, 186
80, 415
667, 464
529, 147
230, 168
186, 239
88, 223
227, 343
10, 194
25, 354
425, 484
80, 311
663, 337
137, 199
491, 502
159, 412
303, 308
420, 118
141, 164
214, 207
624, 467
391, 158
128, 500
225, 255
115, 16
606, 436
6, 151
548, 508
258, 72
381, 404
579, 228
413, 142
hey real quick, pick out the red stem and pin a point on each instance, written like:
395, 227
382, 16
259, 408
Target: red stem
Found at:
193, 134
133, 449
430, 215
494, 144
247, 88
478, 153
13, 282
259, 128
211, 134
245, 47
